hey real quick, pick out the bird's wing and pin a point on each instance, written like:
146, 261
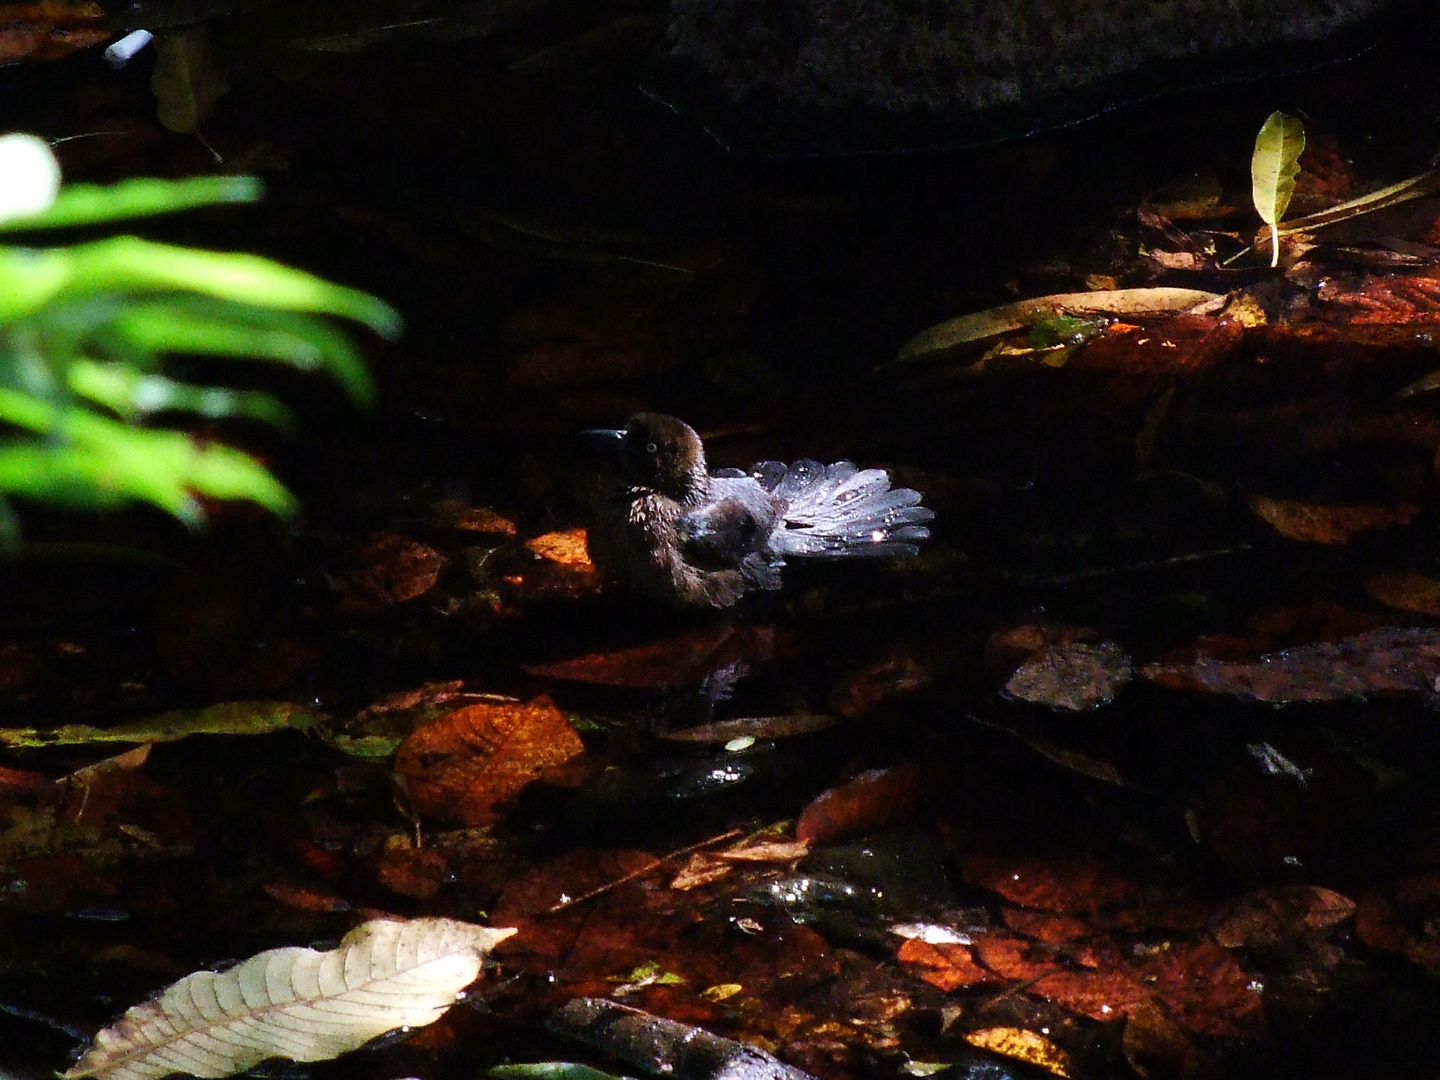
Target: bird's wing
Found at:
732, 526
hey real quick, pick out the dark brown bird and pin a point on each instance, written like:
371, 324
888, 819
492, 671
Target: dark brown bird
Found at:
688, 537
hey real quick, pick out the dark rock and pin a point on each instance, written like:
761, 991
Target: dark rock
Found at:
854, 76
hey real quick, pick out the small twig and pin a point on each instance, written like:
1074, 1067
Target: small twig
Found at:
642, 871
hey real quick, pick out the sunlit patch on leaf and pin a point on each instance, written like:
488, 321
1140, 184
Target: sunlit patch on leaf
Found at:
465, 764
948, 966
1028, 1046
1273, 169
384, 571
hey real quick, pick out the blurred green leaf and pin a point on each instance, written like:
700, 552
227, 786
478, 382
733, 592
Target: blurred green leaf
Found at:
92, 204
91, 460
132, 393
129, 265
94, 323
200, 324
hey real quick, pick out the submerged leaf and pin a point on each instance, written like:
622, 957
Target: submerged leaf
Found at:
466, 763
226, 718
1008, 317
295, 1003
1273, 169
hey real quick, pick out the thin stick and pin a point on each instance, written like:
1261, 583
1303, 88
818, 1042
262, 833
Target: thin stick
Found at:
642, 871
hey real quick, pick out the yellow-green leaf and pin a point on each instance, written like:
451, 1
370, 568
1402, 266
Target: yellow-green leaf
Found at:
1273, 169
226, 718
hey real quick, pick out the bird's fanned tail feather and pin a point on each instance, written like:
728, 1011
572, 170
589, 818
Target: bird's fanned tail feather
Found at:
839, 511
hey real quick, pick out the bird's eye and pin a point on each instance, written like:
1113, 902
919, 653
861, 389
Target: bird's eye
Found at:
651, 448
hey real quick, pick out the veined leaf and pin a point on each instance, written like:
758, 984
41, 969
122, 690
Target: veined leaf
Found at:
295, 1003
1273, 169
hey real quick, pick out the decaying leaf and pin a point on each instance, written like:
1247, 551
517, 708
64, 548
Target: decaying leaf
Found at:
1073, 676
1384, 661
1273, 169
1319, 524
226, 718
467, 762
296, 1003
1028, 1046
874, 799
186, 82
1009, 317
1406, 591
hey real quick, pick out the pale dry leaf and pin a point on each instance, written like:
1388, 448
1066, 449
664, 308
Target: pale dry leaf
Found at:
296, 1003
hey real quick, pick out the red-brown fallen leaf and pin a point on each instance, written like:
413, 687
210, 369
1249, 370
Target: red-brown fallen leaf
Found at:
384, 571
1045, 926
673, 660
28, 785
1203, 989
463, 765
1270, 917
528, 900
1154, 1046
1258, 822
51, 13
1402, 299
1321, 524
591, 947
861, 691
1406, 591
1013, 958
412, 871
1384, 661
1076, 884
1377, 923
948, 966
303, 899
1402, 919
1105, 995
874, 799
48, 30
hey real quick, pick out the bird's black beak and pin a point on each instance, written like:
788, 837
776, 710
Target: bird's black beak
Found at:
604, 442
603, 433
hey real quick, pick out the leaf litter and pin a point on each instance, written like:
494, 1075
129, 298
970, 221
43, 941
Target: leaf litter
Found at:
1105, 921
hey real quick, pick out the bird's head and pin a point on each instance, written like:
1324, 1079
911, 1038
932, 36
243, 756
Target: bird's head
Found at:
661, 453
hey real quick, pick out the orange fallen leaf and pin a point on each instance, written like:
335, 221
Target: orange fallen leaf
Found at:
872, 800
566, 548
387, 570
948, 966
1316, 523
1406, 591
466, 763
